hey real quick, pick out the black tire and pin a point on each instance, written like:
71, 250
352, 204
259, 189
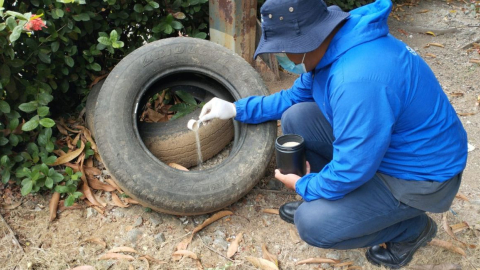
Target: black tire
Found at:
170, 141
152, 182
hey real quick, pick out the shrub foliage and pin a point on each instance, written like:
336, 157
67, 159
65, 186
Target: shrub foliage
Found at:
50, 53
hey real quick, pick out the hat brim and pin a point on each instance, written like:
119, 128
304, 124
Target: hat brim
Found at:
306, 41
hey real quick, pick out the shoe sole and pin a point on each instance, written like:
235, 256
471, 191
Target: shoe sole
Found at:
431, 234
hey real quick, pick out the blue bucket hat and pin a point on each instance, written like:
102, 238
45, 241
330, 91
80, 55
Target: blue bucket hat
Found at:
296, 26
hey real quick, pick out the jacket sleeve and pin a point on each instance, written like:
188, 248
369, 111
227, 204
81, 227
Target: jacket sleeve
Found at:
258, 109
363, 119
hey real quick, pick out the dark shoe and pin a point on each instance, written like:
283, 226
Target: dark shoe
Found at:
397, 255
287, 211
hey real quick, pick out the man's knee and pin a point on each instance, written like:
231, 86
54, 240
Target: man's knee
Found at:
316, 230
295, 115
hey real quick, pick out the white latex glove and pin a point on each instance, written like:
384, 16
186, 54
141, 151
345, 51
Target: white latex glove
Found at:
217, 108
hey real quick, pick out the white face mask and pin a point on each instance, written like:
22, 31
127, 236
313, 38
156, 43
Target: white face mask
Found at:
289, 65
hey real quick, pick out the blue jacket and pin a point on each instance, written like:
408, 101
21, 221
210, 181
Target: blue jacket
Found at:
388, 112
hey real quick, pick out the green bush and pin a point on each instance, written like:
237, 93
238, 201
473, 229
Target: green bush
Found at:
51, 52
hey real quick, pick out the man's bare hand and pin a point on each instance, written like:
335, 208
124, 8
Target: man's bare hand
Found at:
289, 179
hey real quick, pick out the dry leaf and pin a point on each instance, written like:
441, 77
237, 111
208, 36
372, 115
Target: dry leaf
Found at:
423, 11
403, 32
52, 206
456, 94
178, 166
89, 170
116, 200
234, 245
383, 245
130, 267
461, 195
116, 256
113, 184
87, 192
212, 219
445, 266
466, 114
447, 245
342, 264
187, 253
122, 249
75, 140
61, 128
271, 211
477, 61
317, 260
150, 258
434, 44
97, 79
294, 236
430, 33
131, 201
96, 184
146, 261
269, 256
261, 263
446, 227
182, 246
354, 267
69, 156
83, 267
89, 164
459, 227
431, 55
12, 206
96, 240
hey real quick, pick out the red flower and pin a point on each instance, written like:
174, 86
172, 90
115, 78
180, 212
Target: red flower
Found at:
35, 24
67, 9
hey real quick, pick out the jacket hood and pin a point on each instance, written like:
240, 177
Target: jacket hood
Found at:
365, 23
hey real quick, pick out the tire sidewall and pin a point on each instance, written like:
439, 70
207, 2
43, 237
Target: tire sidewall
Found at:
143, 176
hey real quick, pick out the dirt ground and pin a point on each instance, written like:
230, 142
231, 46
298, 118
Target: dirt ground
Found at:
29, 241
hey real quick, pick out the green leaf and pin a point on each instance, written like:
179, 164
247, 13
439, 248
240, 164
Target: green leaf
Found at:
14, 124
201, 35
70, 200
44, 58
3, 141
113, 36
168, 29
44, 169
43, 111
49, 183
4, 106
15, 33
59, 12
50, 146
31, 124
177, 25
61, 189
44, 98
117, 44
11, 23
50, 160
96, 67
77, 194
47, 122
55, 45
69, 61
104, 41
13, 139
27, 187
57, 177
186, 97
138, 8
5, 176
1, 3
154, 4
4, 160
28, 107
2, 26
16, 63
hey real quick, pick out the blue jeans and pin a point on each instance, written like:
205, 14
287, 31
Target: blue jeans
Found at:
367, 216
